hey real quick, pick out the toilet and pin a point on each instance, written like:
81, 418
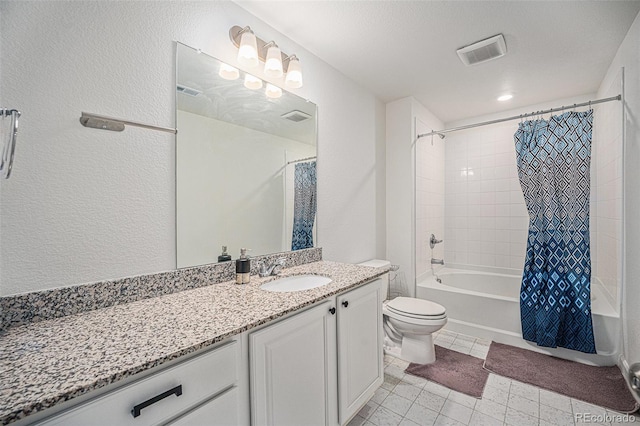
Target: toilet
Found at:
409, 324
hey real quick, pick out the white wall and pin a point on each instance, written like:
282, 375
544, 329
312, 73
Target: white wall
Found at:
628, 56
402, 118
85, 204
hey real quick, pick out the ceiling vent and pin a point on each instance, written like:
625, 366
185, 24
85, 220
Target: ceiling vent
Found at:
187, 90
296, 116
483, 51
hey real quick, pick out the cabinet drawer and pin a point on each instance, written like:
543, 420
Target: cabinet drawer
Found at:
198, 379
220, 411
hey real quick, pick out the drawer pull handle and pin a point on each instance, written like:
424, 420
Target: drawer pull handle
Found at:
333, 311
345, 303
138, 408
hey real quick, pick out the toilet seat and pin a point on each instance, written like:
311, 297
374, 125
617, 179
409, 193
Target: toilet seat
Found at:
411, 307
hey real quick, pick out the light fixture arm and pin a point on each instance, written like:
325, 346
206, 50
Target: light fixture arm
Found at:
235, 33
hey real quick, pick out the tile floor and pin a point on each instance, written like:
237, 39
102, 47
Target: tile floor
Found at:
408, 400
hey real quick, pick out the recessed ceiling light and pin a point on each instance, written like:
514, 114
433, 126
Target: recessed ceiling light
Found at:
505, 98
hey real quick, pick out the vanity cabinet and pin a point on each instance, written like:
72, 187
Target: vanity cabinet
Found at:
203, 387
360, 356
319, 367
293, 369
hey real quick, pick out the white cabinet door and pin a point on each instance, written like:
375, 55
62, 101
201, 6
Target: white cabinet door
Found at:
360, 357
293, 370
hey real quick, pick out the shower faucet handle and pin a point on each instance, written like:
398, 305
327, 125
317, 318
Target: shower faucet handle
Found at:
433, 241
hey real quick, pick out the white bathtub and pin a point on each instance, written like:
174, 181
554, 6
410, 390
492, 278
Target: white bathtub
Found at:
486, 305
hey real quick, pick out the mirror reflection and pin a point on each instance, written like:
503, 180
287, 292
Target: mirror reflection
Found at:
245, 163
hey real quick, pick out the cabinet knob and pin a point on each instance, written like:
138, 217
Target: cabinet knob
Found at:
332, 310
345, 303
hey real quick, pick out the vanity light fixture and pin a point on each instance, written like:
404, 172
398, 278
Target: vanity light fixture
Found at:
228, 72
294, 73
251, 82
252, 49
273, 64
505, 97
247, 48
273, 92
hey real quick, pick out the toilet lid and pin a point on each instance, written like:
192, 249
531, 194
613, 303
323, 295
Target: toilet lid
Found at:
416, 307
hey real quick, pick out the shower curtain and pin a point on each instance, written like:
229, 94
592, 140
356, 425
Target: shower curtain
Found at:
304, 205
553, 166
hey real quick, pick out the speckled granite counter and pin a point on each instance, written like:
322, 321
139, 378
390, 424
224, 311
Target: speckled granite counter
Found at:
48, 362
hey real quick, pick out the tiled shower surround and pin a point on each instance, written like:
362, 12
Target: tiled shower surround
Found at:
60, 302
430, 196
486, 218
481, 206
607, 182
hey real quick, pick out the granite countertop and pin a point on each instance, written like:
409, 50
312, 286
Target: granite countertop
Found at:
48, 362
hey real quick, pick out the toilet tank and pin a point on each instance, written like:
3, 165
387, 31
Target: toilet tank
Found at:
377, 263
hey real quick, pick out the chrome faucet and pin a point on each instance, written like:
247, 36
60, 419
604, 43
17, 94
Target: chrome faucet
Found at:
437, 261
273, 269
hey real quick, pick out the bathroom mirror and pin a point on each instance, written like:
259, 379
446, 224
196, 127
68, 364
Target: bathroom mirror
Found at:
245, 163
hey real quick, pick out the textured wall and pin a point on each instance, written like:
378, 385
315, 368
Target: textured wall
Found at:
86, 205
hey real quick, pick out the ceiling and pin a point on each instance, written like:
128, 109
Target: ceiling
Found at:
556, 49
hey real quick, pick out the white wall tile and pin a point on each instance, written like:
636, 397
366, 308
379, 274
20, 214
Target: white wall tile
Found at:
491, 230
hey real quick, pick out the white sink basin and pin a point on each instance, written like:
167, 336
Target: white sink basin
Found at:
295, 283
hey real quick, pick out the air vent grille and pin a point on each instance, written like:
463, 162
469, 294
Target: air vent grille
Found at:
296, 116
483, 51
187, 90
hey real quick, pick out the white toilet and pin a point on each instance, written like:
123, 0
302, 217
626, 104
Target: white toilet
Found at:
409, 324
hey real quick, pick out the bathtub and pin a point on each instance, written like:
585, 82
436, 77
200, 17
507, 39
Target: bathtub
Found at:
486, 304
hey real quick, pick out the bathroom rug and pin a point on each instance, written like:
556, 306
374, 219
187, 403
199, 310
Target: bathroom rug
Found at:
603, 386
455, 370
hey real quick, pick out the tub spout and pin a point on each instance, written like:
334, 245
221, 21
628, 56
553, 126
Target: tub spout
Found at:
437, 261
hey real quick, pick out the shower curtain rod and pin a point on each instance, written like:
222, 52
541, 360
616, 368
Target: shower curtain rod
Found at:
300, 160
518, 117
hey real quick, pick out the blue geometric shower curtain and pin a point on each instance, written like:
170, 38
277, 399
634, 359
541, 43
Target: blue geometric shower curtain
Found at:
553, 166
304, 205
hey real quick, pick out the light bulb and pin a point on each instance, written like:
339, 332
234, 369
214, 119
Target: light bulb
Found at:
294, 74
273, 63
248, 51
228, 72
251, 82
505, 97
272, 91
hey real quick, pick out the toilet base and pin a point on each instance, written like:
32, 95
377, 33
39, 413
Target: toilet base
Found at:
418, 349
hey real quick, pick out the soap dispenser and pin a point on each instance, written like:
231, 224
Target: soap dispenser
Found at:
224, 257
243, 268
